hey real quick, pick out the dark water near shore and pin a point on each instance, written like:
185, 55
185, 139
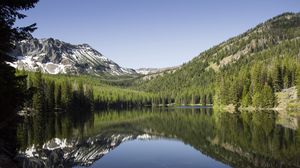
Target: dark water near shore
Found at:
169, 137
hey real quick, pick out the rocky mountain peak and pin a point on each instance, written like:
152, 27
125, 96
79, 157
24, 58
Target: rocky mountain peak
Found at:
54, 56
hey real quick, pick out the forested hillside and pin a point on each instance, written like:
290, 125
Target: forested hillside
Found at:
246, 70
83, 93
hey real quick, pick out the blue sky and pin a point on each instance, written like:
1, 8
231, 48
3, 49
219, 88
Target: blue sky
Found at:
151, 33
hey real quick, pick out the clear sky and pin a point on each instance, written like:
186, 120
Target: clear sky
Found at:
151, 33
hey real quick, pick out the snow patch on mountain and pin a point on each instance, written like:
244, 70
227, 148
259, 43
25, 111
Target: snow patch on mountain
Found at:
30, 63
54, 56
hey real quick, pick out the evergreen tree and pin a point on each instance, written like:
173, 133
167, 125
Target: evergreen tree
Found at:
51, 96
204, 101
277, 78
246, 99
11, 86
39, 105
268, 97
67, 95
257, 99
298, 82
58, 97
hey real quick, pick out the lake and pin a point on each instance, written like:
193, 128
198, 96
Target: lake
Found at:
162, 137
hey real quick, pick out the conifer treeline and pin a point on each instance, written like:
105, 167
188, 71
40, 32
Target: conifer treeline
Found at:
254, 81
256, 85
52, 93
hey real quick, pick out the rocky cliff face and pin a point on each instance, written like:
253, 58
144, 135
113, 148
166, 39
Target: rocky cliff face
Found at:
54, 56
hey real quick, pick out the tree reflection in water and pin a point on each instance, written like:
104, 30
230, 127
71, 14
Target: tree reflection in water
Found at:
241, 139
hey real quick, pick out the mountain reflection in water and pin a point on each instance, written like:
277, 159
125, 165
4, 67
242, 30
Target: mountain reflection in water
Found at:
167, 136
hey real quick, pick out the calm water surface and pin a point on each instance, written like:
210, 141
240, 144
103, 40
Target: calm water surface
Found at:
171, 137
158, 153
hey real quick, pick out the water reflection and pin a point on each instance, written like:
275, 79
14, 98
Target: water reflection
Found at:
158, 153
242, 139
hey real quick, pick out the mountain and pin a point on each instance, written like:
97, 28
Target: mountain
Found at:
148, 71
151, 73
54, 56
241, 71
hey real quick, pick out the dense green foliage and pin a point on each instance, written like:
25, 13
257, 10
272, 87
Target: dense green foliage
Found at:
254, 82
246, 70
12, 90
68, 93
12, 87
53, 95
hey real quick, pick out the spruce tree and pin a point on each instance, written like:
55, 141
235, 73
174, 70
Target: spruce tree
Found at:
11, 87
58, 97
39, 106
50, 95
268, 98
257, 99
245, 97
298, 82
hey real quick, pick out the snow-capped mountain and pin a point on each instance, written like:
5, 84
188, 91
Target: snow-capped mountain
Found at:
54, 56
